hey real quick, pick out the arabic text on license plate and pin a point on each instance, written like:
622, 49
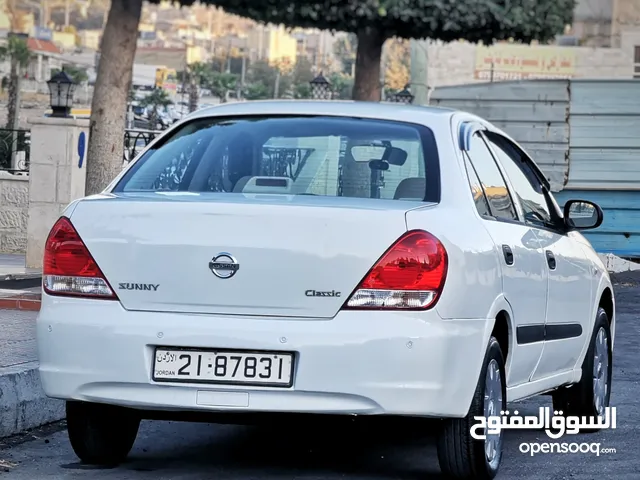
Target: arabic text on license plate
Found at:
223, 367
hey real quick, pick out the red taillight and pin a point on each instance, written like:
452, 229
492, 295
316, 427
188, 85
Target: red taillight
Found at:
409, 276
68, 268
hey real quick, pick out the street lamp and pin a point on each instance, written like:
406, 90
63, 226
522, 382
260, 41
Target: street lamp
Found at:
321, 88
61, 87
404, 96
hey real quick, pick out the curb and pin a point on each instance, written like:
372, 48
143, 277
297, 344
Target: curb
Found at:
19, 300
20, 282
23, 403
21, 277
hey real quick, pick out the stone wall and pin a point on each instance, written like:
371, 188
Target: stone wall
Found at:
626, 18
454, 63
14, 206
56, 177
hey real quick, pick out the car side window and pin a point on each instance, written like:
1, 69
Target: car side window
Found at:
493, 184
524, 181
479, 197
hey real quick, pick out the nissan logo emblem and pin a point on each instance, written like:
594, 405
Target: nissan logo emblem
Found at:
224, 265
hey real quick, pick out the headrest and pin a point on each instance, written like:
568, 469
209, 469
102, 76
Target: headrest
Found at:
413, 188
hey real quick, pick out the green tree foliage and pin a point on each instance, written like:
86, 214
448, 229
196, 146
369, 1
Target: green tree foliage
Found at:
374, 21
77, 74
154, 101
397, 63
221, 84
195, 72
262, 78
18, 54
273, 81
345, 50
256, 91
342, 86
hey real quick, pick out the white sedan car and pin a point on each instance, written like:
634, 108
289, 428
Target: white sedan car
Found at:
324, 258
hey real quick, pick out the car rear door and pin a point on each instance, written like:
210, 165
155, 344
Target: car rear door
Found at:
523, 265
569, 297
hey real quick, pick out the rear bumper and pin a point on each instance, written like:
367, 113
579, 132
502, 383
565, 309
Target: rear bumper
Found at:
367, 363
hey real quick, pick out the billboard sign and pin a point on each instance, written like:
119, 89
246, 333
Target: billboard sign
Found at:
519, 62
41, 33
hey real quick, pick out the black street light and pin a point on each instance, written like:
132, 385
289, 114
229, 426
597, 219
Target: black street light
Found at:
320, 88
404, 96
61, 88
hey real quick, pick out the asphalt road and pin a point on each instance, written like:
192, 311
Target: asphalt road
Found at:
181, 451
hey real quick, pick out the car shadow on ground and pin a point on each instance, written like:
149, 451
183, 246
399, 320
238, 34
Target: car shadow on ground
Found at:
389, 450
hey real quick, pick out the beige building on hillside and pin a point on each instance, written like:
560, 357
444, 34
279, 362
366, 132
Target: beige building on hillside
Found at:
272, 44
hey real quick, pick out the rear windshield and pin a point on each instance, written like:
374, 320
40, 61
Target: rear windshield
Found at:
303, 155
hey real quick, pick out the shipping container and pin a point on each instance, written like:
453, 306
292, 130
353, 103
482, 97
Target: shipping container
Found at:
584, 135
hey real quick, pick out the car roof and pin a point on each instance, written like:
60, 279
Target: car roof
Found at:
373, 110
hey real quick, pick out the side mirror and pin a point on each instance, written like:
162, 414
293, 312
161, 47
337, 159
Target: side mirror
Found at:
582, 215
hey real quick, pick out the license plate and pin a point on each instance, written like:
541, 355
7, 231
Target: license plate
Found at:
219, 366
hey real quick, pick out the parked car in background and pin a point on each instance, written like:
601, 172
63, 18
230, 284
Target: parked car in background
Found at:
328, 258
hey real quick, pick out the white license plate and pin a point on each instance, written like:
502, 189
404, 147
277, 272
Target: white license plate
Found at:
219, 366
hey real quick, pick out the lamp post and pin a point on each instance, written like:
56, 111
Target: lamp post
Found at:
404, 96
320, 88
61, 88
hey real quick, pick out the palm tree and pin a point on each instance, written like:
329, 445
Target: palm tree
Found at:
221, 84
197, 71
17, 51
159, 98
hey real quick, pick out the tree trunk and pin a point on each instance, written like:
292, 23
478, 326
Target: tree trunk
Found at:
193, 94
13, 113
367, 82
356, 180
153, 117
108, 110
13, 107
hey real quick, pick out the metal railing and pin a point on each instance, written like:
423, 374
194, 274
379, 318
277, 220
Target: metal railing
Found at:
277, 161
135, 140
15, 148
285, 161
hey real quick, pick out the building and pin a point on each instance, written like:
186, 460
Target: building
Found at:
46, 57
65, 40
176, 58
592, 23
90, 39
607, 23
272, 44
318, 47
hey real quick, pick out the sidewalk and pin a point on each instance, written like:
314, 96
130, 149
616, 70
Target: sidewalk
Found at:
12, 268
23, 404
19, 286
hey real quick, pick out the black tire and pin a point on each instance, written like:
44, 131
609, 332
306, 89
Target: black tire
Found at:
460, 455
101, 434
579, 399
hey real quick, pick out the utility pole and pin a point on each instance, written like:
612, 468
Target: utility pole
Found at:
244, 67
276, 90
419, 69
67, 12
43, 8
210, 29
383, 70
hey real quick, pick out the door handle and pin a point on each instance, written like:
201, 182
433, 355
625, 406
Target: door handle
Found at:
508, 254
551, 259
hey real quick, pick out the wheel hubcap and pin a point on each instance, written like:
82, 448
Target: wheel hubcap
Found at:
492, 407
601, 371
